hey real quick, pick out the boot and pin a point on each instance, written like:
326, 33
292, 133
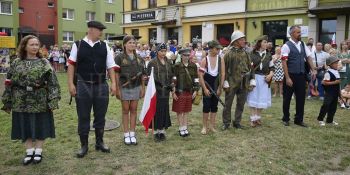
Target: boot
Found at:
84, 140
99, 141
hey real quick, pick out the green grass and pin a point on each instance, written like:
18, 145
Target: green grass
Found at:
270, 149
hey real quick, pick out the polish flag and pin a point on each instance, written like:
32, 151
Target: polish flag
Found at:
149, 103
333, 40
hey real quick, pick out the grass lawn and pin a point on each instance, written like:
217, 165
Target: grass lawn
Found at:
270, 149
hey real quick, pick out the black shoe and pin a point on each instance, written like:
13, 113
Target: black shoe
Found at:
302, 124
162, 136
238, 126
157, 137
285, 123
37, 161
225, 127
84, 146
99, 141
27, 162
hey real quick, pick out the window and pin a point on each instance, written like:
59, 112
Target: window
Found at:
223, 34
20, 10
90, 16
5, 7
68, 36
276, 31
110, 1
327, 30
68, 14
196, 34
135, 32
152, 3
51, 4
172, 2
109, 17
51, 27
134, 4
152, 33
6, 30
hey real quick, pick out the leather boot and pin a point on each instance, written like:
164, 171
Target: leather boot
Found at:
99, 141
84, 140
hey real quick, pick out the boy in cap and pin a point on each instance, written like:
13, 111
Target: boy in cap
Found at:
331, 83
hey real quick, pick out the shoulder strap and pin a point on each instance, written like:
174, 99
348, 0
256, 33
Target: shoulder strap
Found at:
188, 74
316, 60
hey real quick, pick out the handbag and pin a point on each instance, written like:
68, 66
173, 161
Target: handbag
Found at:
320, 72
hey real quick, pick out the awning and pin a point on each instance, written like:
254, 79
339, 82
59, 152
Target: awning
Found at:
172, 21
121, 37
339, 9
27, 30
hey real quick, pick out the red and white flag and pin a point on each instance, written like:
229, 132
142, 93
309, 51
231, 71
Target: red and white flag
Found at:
333, 40
149, 103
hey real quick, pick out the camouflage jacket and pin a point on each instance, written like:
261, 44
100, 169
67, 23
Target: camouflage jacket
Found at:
131, 70
183, 80
238, 68
31, 86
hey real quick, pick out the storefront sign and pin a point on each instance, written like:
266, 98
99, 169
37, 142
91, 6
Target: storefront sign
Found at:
279, 42
143, 16
7, 42
304, 31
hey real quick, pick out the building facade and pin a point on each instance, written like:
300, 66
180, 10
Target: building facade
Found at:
40, 19
329, 17
73, 16
9, 17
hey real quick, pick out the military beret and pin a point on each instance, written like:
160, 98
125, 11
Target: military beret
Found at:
260, 38
96, 24
184, 50
161, 46
214, 44
330, 60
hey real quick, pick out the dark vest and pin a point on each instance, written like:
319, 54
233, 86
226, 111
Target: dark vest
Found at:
332, 89
296, 59
91, 62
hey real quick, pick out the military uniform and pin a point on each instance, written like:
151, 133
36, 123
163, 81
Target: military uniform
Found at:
238, 75
32, 92
130, 75
186, 83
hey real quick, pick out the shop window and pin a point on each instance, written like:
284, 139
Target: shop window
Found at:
196, 34
172, 2
152, 33
135, 32
8, 31
327, 30
173, 33
276, 31
223, 34
152, 3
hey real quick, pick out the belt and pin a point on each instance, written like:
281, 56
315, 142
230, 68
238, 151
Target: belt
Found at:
30, 88
91, 82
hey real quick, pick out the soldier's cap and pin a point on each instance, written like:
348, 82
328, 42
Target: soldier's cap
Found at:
96, 24
262, 37
214, 44
330, 60
184, 51
161, 46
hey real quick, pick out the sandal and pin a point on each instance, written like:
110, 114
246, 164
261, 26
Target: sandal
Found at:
36, 161
27, 161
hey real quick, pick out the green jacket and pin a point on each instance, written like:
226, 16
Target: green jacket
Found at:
186, 81
238, 68
34, 87
130, 70
265, 59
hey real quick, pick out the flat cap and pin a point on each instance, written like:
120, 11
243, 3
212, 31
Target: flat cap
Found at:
330, 60
262, 37
185, 50
96, 24
214, 44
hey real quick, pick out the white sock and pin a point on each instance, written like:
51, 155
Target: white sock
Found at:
258, 117
132, 134
38, 151
162, 131
29, 151
126, 134
132, 137
252, 117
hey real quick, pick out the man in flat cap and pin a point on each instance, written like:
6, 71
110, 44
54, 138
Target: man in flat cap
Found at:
187, 85
238, 79
88, 62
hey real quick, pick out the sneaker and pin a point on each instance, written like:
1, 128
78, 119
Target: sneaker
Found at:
342, 106
322, 123
321, 98
308, 97
334, 123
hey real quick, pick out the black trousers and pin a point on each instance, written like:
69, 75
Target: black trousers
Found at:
329, 107
298, 88
91, 96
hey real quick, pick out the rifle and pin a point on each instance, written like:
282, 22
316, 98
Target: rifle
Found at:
77, 43
212, 92
132, 79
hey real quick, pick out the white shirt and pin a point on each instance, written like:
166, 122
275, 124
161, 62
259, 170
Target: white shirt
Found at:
214, 72
110, 60
285, 49
327, 76
321, 58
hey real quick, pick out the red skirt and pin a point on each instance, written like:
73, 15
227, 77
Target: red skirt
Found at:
183, 103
